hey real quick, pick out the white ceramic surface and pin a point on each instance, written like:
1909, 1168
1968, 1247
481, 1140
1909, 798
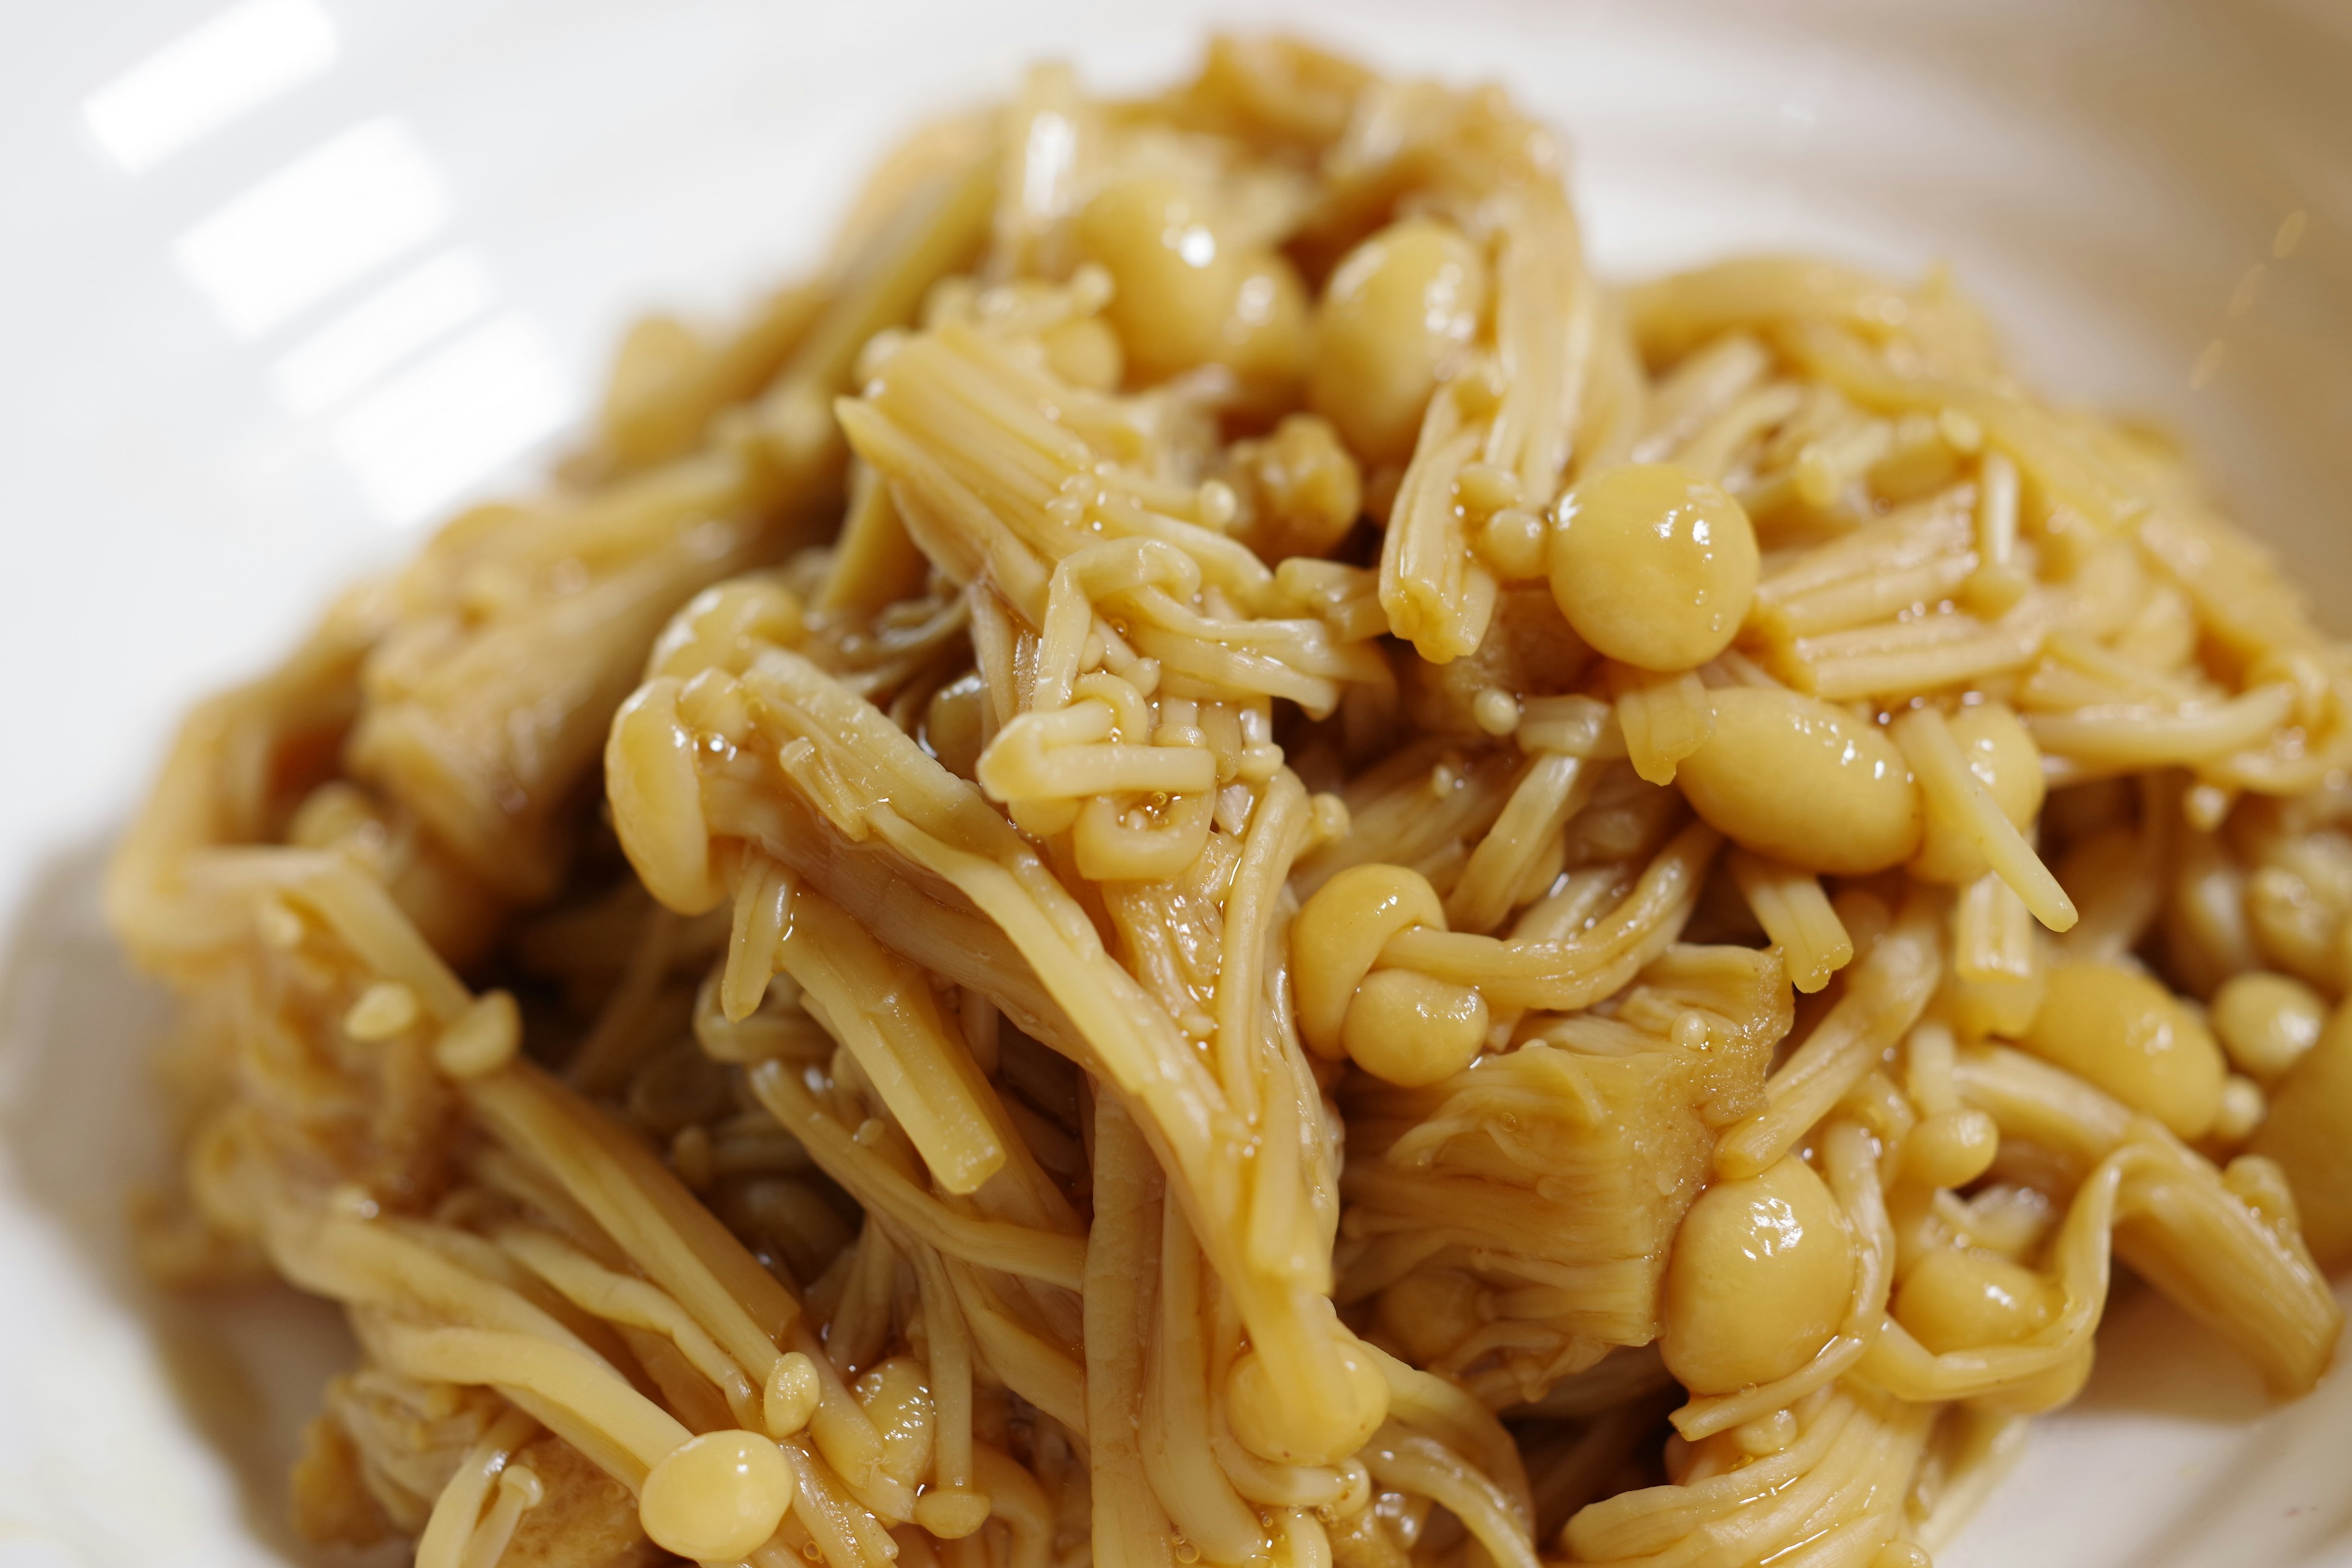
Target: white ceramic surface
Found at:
279, 278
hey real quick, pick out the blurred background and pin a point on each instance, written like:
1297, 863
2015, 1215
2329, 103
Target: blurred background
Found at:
283, 280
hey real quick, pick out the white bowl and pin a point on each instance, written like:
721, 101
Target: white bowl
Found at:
283, 277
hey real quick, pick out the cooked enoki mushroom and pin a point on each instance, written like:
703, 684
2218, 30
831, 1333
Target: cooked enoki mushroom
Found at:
1202, 859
